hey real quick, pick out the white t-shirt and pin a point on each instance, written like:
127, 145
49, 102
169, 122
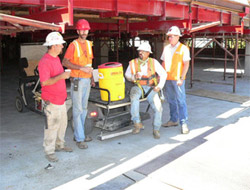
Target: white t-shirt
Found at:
168, 53
144, 71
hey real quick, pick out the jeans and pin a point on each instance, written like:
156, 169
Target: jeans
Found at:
80, 107
176, 97
154, 101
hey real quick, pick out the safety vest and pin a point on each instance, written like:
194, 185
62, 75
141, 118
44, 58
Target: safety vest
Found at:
176, 64
80, 58
150, 79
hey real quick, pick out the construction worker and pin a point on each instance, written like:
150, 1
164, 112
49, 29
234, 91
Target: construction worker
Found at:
54, 94
142, 71
176, 59
78, 58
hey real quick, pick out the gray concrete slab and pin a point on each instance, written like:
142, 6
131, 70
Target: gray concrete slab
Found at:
214, 155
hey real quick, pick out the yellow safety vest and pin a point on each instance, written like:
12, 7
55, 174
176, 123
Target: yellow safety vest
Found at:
81, 59
176, 65
145, 80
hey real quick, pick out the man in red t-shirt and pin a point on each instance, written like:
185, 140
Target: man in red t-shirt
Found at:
54, 94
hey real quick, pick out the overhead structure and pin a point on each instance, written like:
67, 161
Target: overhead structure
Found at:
131, 16
196, 18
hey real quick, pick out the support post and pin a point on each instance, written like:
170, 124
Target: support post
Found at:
192, 62
235, 62
225, 63
117, 49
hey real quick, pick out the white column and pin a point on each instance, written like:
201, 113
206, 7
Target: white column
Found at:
247, 60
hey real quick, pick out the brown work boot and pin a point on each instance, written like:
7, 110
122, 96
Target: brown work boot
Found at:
87, 139
138, 127
82, 145
51, 157
156, 134
170, 124
64, 149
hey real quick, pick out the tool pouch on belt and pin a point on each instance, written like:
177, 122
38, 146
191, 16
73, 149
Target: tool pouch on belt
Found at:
46, 112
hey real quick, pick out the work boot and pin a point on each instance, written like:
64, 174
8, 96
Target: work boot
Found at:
138, 127
184, 128
64, 149
87, 139
156, 134
82, 145
51, 157
170, 124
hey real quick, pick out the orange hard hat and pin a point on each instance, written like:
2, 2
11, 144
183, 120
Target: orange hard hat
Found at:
82, 24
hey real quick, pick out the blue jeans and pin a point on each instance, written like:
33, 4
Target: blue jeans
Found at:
80, 107
176, 97
154, 101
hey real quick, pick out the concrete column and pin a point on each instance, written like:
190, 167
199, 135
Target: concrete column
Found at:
159, 48
247, 60
104, 52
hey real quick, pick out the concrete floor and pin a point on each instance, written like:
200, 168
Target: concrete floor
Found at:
214, 155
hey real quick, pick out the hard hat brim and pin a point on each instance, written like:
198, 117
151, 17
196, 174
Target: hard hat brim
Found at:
138, 49
172, 33
54, 43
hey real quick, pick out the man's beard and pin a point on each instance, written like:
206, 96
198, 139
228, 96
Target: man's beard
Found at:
83, 36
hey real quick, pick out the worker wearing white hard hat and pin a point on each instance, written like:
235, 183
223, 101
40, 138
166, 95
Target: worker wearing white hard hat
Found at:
175, 60
174, 30
54, 38
145, 47
142, 71
52, 77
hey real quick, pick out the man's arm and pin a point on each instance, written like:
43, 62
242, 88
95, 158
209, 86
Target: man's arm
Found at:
162, 74
128, 74
69, 65
185, 69
53, 80
184, 72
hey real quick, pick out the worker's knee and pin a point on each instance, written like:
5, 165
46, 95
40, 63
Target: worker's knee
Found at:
135, 93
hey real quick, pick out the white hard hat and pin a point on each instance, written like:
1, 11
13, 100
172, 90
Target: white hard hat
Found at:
54, 38
174, 30
145, 46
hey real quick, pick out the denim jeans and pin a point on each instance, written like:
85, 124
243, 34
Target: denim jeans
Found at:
154, 101
176, 97
80, 107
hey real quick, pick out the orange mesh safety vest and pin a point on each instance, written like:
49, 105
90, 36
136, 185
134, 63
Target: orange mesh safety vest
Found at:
176, 65
145, 80
81, 59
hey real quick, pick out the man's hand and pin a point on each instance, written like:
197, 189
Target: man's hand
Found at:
88, 70
179, 82
157, 89
138, 75
66, 75
92, 82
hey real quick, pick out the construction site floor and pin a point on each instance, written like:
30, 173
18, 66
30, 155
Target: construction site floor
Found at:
215, 155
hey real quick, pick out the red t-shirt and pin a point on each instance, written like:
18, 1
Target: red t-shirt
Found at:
49, 67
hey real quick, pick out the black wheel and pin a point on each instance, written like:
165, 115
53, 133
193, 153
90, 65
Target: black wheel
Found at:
20, 104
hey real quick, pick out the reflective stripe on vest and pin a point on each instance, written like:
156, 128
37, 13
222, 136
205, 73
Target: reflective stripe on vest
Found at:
81, 59
134, 69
